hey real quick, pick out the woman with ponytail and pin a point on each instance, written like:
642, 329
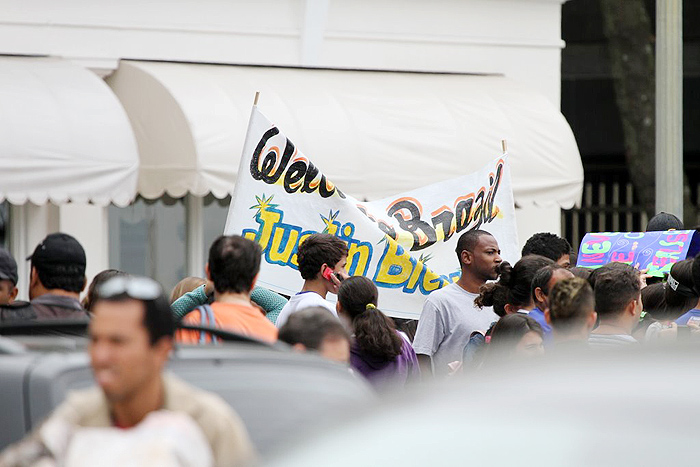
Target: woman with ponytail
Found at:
379, 352
513, 291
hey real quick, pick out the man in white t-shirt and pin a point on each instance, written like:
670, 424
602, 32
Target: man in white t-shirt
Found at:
322, 259
449, 315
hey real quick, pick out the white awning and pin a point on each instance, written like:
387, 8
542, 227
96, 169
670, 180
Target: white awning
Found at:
375, 134
63, 135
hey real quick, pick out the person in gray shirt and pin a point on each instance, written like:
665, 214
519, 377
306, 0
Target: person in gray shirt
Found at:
449, 315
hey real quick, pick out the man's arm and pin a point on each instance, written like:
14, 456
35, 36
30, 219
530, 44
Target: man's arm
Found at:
426, 366
429, 335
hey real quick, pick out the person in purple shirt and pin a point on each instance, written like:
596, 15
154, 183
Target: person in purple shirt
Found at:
542, 284
378, 351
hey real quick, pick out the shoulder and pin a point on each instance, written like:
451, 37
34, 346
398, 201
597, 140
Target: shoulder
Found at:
87, 407
18, 311
221, 425
314, 299
446, 294
182, 395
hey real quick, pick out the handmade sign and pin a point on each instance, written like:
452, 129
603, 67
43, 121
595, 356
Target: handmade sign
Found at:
405, 244
654, 251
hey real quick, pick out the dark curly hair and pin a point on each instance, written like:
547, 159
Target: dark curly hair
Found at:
513, 286
548, 245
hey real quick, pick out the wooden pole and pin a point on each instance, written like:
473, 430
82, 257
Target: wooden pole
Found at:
504, 144
257, 96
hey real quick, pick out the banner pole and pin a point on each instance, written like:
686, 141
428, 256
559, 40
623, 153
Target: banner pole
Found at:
504, 145
242, 166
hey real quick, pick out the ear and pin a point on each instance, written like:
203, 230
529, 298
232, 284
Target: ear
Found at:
13, 294
319, 273
510, 309
33, 278
548, 316
299, 347
207, 272
466, 256
539, 295
631, 307
591, 320
337, 308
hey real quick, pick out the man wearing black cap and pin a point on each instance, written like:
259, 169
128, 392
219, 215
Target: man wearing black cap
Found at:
8, 278
56, 280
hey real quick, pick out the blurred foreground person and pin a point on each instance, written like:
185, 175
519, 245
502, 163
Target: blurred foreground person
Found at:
131, 337
540, 288
322, 258
550, 246
571, 313
514, 337
618, 302
234, 263
512, 293
449, 314
317, 330
380, 353
56, 280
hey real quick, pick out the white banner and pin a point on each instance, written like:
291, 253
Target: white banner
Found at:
405, 243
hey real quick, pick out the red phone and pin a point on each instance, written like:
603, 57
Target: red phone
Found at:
327, 272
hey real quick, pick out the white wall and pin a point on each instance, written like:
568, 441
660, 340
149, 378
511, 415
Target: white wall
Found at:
518, 38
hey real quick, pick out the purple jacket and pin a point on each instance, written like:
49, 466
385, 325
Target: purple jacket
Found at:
387, 374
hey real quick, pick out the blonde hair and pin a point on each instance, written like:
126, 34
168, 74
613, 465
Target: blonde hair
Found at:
188, 284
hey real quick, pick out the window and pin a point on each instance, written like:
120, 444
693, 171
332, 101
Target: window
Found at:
148, 238
214, 220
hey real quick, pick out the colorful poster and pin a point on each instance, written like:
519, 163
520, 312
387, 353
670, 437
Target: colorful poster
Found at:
656, 252
405, 244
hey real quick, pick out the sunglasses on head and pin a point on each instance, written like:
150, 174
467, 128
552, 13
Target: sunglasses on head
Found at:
139, 288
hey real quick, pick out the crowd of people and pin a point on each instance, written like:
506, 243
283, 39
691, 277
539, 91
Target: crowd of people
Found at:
495, 312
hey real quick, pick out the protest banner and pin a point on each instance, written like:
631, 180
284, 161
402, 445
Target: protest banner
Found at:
656, 252
405, 244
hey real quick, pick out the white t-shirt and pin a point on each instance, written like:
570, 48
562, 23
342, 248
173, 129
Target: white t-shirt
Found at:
301, 301
449, 317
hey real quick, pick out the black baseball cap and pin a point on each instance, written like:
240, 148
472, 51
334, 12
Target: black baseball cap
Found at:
8, 267
58, 249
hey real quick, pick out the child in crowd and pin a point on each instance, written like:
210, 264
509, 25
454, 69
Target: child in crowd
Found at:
514, 336
380, 353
